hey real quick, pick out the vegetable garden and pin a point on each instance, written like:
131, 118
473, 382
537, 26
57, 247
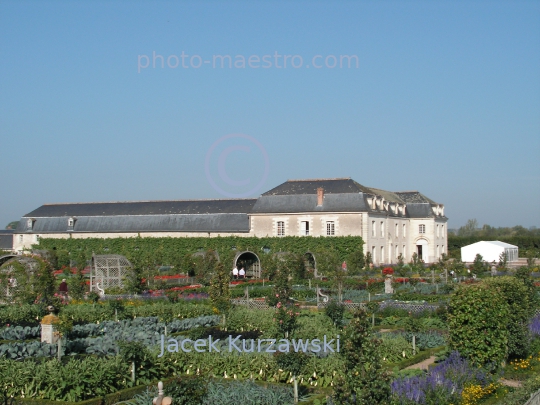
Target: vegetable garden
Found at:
479, 332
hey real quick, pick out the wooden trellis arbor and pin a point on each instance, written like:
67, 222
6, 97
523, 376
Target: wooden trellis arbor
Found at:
108, 271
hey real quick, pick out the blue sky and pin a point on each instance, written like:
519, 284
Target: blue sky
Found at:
445, 100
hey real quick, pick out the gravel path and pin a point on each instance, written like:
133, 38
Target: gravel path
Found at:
423, 365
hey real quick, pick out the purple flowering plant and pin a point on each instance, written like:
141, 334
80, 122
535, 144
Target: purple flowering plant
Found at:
441, 385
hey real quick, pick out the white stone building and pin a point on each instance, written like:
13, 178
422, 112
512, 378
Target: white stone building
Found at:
390, 223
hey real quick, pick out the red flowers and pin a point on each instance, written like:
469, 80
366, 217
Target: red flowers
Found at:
388, 271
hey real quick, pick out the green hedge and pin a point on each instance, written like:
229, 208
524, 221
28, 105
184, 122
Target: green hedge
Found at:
109, 399
167, 250
424, 355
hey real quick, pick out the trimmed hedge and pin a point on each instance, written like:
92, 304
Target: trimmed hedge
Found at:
109, 399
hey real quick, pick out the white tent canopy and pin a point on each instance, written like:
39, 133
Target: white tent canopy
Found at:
490, 251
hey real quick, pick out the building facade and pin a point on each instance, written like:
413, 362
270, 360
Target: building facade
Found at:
390, 223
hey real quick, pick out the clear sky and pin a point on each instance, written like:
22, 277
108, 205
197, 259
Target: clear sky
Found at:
440, 97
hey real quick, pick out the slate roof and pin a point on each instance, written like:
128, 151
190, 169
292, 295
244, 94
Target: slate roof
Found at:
227, 215
346, 202
330, 186
144, 208
6, 239
144, 223
143, 216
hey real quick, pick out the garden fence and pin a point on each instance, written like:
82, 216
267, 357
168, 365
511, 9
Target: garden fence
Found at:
408, 306
251, 304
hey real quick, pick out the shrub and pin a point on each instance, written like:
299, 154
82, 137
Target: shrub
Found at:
188, 390
335, 312
516, 295
477, 320
365, 379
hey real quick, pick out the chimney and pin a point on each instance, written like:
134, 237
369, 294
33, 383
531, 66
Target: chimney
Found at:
320, 196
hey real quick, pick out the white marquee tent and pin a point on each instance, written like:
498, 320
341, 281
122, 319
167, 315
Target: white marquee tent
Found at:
490, 251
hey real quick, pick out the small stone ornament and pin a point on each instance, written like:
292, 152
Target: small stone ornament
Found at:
160, 399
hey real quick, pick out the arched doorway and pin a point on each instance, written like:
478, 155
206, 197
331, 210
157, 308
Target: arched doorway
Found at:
422, 249
251, 263
310, 263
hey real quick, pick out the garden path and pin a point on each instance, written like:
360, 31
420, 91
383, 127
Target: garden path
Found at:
423, 365
510, 383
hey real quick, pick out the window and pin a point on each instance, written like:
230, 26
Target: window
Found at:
373, 228
330, 228
403, 233
397, 253
373, 254
29, 223
281, 228
382, 229
304, 228
421, 228
390, 253
71, 222
37, 239
442, 230
20, 238
404, 252
382, 254
438, 251
397, 230
438, 231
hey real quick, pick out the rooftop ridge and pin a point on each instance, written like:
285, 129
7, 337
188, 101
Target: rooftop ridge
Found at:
336, 178
149, 201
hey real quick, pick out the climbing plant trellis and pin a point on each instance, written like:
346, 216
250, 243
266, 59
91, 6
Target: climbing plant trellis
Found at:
9, 287
108, 271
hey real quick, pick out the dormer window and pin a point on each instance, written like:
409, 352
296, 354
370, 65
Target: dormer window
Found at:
71, 222
30, 224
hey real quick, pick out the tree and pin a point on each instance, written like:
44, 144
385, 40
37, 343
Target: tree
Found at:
479, 265
282, 289
45, 285
329, 264
469, 229
531, 255
503, 261
77, 284
12, 225
368, 261
365, 381
356, 262
219, 290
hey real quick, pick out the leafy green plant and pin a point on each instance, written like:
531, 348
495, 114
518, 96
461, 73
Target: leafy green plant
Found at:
365, 380
219, 290
335, 312
477, 320
517, 296
188, 390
